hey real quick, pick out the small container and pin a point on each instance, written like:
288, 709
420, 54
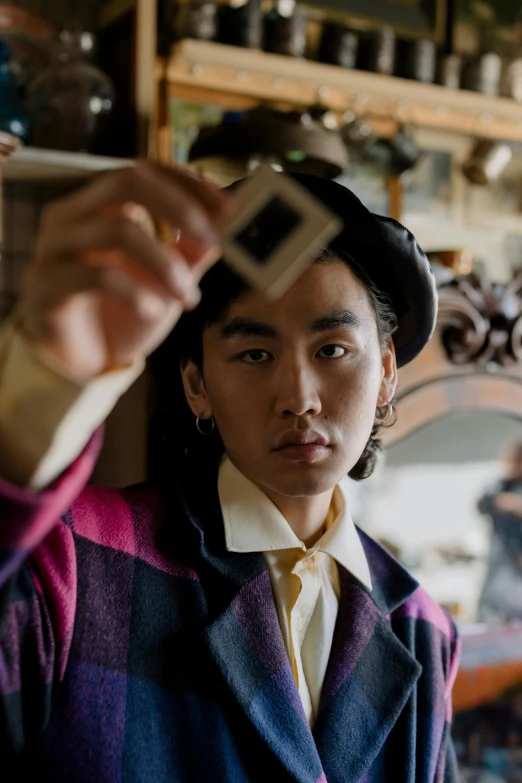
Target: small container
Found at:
357, 134
483, 73
377, 50
487, 161
241, 26
339, 45
69, 102
449, 71
285, 29
395, 155
196, 19
417, 60
512, 79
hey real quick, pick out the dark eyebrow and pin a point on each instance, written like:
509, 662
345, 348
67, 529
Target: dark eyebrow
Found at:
247, 327
326, 323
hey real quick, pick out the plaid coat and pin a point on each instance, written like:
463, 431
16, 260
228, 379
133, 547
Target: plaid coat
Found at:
135, 648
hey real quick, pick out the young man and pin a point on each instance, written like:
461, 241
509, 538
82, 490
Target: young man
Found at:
230, 624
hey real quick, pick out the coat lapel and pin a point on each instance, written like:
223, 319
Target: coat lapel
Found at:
245, 641
370, 675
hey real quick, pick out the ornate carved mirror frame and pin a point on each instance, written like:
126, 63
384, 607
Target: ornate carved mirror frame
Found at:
473, 361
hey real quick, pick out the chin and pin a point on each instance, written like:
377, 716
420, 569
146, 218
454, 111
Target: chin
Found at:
304, 480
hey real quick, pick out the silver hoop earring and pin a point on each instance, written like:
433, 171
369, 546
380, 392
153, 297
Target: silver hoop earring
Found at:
386, 415
211, 428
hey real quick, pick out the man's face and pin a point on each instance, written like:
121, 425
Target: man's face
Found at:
293, 385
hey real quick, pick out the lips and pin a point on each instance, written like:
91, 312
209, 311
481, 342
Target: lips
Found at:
301, 438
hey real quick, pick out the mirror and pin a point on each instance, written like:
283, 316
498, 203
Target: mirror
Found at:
429, 502
432, 503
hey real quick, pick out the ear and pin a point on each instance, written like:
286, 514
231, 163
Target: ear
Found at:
194, 387
389, 375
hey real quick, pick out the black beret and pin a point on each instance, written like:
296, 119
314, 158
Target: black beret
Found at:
390, 256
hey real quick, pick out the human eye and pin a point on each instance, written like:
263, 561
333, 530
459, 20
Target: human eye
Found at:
255, 356
332, 352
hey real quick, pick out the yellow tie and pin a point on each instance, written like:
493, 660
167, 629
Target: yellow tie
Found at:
296, 587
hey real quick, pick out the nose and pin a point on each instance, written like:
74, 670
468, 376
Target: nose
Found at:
297, 389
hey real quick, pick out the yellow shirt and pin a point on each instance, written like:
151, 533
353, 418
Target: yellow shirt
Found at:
45, 421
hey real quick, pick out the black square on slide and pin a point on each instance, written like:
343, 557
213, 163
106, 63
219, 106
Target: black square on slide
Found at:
268, 229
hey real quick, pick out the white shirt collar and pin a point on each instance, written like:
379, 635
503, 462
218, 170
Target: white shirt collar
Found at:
254, 524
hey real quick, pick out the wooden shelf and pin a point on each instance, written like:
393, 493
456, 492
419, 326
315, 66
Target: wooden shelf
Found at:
113, 10
41, 165
211, 68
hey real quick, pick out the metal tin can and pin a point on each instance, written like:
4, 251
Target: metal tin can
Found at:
338, 46
483, 73
449, 71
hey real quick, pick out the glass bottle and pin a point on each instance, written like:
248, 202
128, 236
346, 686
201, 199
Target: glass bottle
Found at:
196, 19
285, 29
338, 45
241, 24
483, 71
377, 51
13, 118
69, 102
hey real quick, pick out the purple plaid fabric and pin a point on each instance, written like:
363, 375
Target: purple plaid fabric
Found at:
135, 648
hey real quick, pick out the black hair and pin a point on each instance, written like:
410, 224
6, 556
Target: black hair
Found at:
175, 445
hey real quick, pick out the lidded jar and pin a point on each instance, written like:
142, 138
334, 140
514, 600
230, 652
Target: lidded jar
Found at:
69, 102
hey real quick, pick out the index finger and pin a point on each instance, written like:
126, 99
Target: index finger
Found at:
215, 199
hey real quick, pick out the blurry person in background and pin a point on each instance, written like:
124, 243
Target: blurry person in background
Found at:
501, 597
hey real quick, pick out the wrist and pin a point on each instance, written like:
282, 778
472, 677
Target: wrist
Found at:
42, 352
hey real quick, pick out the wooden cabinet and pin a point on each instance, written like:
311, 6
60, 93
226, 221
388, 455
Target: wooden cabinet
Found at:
213, 71
208, 72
